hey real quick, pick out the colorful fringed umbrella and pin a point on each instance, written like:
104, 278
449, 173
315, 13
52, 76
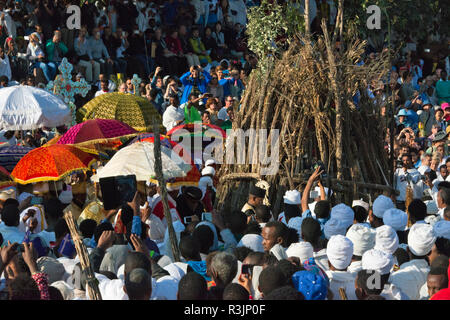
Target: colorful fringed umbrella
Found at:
11, 155
50, 163
150, 137
133, 110
96, 131
5, 178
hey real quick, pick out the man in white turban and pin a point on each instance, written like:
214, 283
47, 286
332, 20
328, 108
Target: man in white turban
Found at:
379, 207
386, 239
382, 263
412, 275
344, 214
333, 227
302, 250
291, 197
252, 241
396, 218
340, 252
363, 239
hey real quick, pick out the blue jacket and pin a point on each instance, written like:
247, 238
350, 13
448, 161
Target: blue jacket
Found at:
188, 81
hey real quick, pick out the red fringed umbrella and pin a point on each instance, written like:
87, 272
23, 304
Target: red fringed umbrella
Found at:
50, 163
96, 131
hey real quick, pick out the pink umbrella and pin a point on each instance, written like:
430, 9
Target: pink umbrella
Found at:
96, 131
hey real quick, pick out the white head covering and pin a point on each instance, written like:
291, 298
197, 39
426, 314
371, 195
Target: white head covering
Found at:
377, 260
52, 267
252, 241
442, 229
421, 239
66, 196
215, 245
208, 171
209, 162
340, 251
317, 189
292, 197
178, 227
395, 218
432, 207
23, 196
386, 239
302, 250
344, 214
363, 238
296, 223
360, 203
333, 227
381, 204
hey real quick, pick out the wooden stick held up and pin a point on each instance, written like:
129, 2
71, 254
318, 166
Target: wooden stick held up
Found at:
162, 187
92, 282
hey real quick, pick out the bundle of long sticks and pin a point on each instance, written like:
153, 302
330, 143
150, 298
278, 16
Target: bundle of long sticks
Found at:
92, 282
343, 294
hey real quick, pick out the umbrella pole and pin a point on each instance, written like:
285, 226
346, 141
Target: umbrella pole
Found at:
162, 186
56, 189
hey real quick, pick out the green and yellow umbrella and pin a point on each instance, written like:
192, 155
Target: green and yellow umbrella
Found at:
133, 110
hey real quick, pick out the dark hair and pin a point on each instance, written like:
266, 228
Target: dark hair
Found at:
291, 237
285, 293
288, 269
205, 237
241, 252
443, 246
311, 230
360, 214
109, 274
105, 226
136, 260
417, 210
11, 201
280, 229
291, 211
87, 228
23, 287
61, 228
126, 214
53, 208
257, 258
262, 213
54, 293
253, 227
375, 297
144, 233
270, 279
235, 291
190, 248
138, 283
401, 255
440, 261
11, 215
1, 239
192, 286
363, 278
237, 222
322, 209
269, 259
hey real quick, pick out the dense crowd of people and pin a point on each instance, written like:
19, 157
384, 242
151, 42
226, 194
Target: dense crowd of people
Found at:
193, 63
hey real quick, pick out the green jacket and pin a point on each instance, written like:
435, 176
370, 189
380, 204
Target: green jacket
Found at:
50, 48
193, 115
197, 45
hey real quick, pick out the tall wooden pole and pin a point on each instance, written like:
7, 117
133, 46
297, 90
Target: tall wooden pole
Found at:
307, 28
163, 189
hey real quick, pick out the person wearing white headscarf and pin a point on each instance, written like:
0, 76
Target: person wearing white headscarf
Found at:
442, 229
363, 239
395, 218
206, 180
39, 215
344, 214
340, 252
290, 197
386, 239
412, 275
382, 263
379, 207
302, 250
252, 241
333, 227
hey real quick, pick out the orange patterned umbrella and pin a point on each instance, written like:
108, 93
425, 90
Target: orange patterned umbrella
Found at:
50, 163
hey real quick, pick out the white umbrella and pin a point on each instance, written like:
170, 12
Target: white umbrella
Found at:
139, 159
28, 108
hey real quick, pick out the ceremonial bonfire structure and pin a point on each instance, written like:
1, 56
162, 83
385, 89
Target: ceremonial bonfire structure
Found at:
307, 92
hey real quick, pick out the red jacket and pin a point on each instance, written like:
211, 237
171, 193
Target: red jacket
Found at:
174, 45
